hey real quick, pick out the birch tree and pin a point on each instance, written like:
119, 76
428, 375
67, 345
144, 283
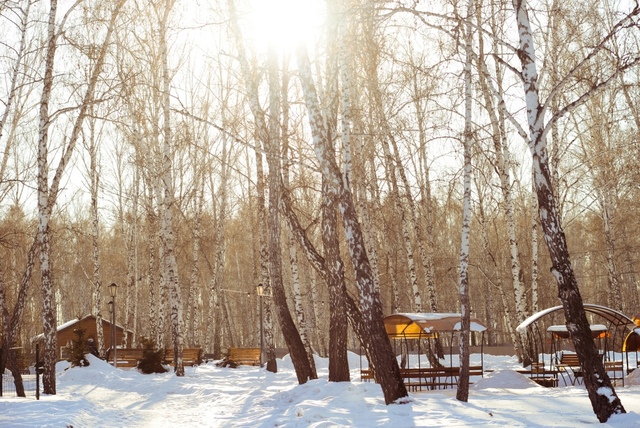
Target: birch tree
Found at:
44, 210
603, 398
268, 137
501, 166
170, 266
462, 394
94, 186
47, 196
377, 345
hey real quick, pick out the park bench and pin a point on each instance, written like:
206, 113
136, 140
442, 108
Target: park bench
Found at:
541, 375
366, 375
570, 365
244, 356
241, 357
429, 377
190, 357
435, 377
126, 357
615, 369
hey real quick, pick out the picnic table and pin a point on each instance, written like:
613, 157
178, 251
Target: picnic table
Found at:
427, 377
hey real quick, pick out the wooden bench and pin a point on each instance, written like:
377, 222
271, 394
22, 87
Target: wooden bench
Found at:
615, 369
570, 365
190, 357
541, 375
243, 356
435, 377
126, 357
366, 375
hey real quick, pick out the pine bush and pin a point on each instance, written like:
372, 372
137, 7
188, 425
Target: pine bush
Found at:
79, 349
151, 361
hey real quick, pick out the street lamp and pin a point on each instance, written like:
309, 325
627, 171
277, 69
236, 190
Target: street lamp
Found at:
260, 290
113, 289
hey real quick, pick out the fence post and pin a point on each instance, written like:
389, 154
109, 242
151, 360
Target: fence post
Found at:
38, 370
1, 368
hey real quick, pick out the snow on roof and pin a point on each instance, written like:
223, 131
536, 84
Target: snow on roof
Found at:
68, 324
417, 324
611, 315
561, 328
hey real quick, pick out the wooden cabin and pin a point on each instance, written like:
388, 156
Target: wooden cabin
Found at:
66, 335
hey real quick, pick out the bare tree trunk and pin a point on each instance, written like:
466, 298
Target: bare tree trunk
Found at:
15, 83
427, 204
534, 248
267, 323
44, 213
615, 296
167, 238
269, 140
293, 251
152, 268
462, 393
386, 139
603, 398
292, 337
134, 270
191, 314
8, 357
94, 180
501, 166
338, 362
387, 372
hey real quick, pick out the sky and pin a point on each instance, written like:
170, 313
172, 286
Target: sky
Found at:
211, 396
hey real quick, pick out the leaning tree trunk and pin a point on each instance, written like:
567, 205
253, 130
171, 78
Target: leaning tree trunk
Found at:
299, 358
604, 400
377, 345
274, 124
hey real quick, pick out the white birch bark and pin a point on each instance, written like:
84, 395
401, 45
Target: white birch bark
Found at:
192, 301
534, 250
94, 179
462, 393
426, 239
161, 295
47, 197
44, 213
501, 166
298, 304
13, 89
377, 346
167, 236
603, 398
373, 86
217, 277
135, 273
614, 295
152, 269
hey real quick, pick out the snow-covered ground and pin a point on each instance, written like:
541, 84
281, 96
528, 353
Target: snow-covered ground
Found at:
210, 396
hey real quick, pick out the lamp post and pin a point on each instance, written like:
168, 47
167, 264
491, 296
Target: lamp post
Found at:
260, 290
113, 289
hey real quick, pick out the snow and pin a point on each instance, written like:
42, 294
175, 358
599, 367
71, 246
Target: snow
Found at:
210, 396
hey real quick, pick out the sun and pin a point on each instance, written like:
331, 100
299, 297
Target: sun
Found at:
284, 24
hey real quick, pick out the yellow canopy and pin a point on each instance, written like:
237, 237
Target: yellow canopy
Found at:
425, 325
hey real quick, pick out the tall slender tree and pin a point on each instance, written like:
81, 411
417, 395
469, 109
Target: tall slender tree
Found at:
603, 398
